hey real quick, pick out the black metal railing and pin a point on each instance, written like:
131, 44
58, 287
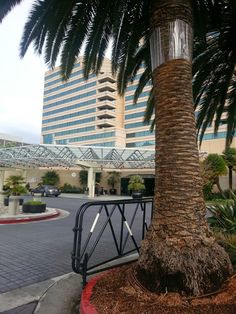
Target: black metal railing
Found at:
108, 230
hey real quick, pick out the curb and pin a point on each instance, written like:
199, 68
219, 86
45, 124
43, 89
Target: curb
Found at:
62, 297
85, 306
28, 219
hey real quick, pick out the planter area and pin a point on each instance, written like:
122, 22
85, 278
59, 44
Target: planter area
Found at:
29, 208
137, 195
117, 291
29, 217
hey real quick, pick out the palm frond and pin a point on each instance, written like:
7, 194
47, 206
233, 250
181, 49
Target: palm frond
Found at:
6, 6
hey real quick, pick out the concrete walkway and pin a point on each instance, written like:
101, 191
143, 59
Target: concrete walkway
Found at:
59, 295
96, 198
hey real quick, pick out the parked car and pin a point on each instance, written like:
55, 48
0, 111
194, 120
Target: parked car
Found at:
46, 190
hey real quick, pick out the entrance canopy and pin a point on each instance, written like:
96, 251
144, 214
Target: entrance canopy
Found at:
67, 156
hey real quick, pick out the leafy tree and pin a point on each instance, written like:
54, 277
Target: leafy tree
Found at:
179, 252
98, 177
113, 178
215, 166
229, 156
83, 177
50, 178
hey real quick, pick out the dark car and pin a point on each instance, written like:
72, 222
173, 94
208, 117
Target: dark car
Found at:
46, 190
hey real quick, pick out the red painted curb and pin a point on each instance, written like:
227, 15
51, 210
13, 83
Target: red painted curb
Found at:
21, 220
85, 306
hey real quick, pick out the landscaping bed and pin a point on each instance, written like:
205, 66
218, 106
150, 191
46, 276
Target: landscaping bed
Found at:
117, 291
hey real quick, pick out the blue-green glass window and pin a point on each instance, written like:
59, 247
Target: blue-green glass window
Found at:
134, 86
103, 144
62, 142
74, 131
91, 137
61, 80
138, 105
139, 134
48, 139
134, 125
63, 125
68, 108
59, 71
70, 91
65, 85
134, 115
141, 144
130, 97
70, 115
212, 136
64, 101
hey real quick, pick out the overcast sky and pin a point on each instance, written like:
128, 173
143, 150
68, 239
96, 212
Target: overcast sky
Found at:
21, 81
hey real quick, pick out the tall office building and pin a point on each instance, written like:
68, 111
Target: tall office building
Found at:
83, 112
92, 113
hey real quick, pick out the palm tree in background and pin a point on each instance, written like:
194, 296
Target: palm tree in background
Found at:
179, 252
229, 155
214, 77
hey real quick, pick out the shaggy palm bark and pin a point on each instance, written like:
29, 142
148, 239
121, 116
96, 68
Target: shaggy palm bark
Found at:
179, 252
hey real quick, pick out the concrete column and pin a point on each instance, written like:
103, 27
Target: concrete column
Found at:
2, 173
91, 182
24, 174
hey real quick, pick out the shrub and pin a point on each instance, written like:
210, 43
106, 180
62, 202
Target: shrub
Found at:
33, 202
223, 223
229, 244
136, 183
68, 188
50, 178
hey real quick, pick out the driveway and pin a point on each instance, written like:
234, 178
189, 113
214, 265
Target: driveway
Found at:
34, 252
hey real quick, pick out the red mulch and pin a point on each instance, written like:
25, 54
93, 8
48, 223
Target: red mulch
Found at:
118, 292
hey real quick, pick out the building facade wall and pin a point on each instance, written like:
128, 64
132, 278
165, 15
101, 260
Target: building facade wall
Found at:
82, 112
92, 113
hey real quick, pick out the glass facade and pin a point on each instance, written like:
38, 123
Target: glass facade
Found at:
68, 100
70, 91
70, 115
68, 108
86, 116
69, 123
65, 85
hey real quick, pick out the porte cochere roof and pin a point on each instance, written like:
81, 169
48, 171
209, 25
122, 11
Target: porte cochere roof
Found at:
67, 156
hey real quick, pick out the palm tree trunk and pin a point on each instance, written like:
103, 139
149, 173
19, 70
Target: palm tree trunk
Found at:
179, 252
230, 178
219, 187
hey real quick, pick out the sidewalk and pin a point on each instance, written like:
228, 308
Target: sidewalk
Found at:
96, 198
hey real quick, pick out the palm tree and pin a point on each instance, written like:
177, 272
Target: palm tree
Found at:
6, 6
214, 87
179, 252
229, 156
215, 166
214, 78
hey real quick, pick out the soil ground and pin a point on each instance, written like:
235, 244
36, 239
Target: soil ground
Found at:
118, 292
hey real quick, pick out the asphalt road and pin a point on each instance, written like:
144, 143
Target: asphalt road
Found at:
34, 252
